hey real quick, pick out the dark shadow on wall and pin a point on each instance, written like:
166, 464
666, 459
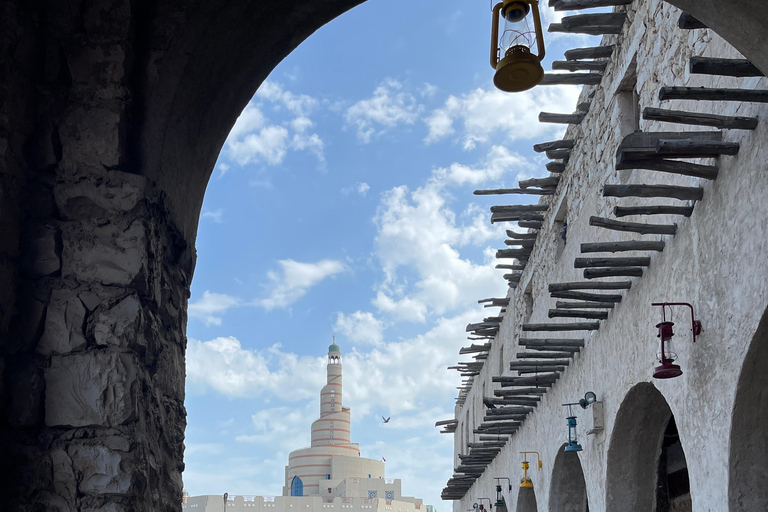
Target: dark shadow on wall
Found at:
568, 491
748, 461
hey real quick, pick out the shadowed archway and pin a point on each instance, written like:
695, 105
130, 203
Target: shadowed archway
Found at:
526, 500
568, 490
748, 460
646, 467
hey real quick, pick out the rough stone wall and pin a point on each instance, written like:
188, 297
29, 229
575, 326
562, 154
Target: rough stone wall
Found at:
716, 261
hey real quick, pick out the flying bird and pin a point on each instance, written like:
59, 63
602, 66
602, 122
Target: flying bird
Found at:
386, 420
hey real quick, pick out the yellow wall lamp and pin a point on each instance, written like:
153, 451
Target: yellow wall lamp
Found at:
517, 67
526, 483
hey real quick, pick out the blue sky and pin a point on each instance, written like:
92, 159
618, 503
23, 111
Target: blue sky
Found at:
342, 205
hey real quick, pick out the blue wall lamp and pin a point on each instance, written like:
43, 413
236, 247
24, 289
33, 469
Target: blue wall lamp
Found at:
589, 399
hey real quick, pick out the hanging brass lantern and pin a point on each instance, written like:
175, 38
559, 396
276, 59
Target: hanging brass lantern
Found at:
516, 54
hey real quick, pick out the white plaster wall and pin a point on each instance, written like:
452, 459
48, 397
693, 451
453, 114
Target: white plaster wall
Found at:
716, 261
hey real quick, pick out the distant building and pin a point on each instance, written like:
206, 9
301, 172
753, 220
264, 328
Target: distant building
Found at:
329, 475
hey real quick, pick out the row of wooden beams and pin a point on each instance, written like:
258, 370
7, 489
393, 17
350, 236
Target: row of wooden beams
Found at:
699, 119
634, 227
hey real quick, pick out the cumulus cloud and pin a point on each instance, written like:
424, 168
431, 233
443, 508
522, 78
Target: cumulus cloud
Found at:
360, 327
360, 187
294, 279
217, 215
211, 306
391, 105
483, 112
256, 139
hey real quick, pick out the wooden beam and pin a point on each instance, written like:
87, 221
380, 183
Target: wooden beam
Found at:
700, 119
475, 348
446, 422
655, 163
513, 253
513, 365
501, 191
710, 94
572, 65
688, 22
571, 79
554, 348
583, 304
555, 167
623, 211
539, 380
584, 106
515, 217
513, 277
696, 149
521, 236
580, 285
559, 154
573, 5
574, 313
592, 52
635, 261
634, 227
529, 355
723, 67
555, 144
542, 342
520, 208
548, 182
510, 267
644, 145
633, 245
672, 191
593, 297
533, 224
569, 326
596, 273
519, 392
500, 300
549, 117
523, 243
535, 369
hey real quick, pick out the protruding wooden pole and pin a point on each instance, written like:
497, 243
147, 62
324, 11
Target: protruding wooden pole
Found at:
696, 149
513, 253
559, 154
594, 297
634, 227
555, 144
520, 208
571, 79
555, 355
615, 285
639, 261
521, 236
555, 167
583, 304
632, 245
596, 273
623, 211
515, 217
572, 65
673, 191
708, 94
657, 163
699, 119
563, 342
574, 313
575, 326
592, 52
544, 183
549, 117
723, 67
529, 224
502, 191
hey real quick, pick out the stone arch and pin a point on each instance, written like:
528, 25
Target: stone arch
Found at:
646, 467
748, 460
526, 500
568, 490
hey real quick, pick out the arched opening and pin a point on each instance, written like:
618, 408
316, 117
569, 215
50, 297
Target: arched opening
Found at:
297, 487
646, 469
748, 460
568, 490
526, 500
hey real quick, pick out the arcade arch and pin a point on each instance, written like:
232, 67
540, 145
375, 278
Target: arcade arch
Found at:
526, 500
568, 490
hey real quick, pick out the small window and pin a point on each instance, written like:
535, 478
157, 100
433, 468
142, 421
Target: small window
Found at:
369, 475
327, 477
297, 487
371, 494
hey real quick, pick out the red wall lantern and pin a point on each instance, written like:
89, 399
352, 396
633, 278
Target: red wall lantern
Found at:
517, 67
666, 356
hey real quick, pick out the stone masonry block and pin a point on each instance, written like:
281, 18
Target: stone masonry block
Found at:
96, 388
91, 136
105, 254
100, 470
112, 192
40, 251
64, 480
63, 331
119, 325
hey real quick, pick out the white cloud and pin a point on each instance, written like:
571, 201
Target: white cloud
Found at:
483, 113
363, 188
210, 306
286, 428
270, 144
361, 327
389, 106
297, 104
294, 280
217, 215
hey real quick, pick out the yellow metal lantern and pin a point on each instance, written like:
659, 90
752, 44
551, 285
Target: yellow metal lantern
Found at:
516, 54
